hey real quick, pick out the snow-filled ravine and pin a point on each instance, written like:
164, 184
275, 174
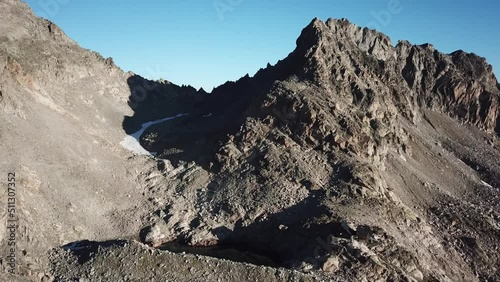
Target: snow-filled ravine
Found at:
131, 142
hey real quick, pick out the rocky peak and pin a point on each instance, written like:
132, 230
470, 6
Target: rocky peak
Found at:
344, 35
460, 84
342, 78
337, 52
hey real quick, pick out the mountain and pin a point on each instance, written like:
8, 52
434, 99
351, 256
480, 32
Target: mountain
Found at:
347, 137
350, 159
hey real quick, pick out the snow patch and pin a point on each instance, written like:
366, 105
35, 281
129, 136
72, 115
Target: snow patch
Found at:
486, 184
131, 142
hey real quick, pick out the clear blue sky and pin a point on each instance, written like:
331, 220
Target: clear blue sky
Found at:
207, 42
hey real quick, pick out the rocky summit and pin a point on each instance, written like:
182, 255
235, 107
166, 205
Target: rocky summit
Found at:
352, 159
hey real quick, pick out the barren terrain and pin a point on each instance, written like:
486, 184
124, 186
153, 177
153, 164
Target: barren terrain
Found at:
352, 159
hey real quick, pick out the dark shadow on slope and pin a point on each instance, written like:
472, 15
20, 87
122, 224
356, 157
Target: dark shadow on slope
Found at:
85, 250
153, 100
193, 137
211, 117
280, 240
232, 252
290, 235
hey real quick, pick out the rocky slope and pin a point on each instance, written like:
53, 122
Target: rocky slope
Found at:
351, 159
61, 112
350, 139
61, 123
